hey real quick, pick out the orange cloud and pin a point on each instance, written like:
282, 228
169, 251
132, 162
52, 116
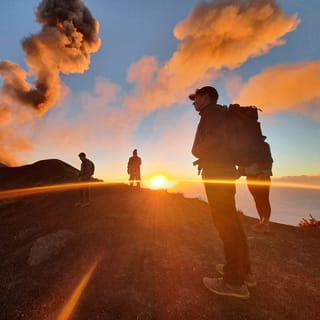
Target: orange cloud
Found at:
101, 122
12, 143
13, 137
216, 35
285, 87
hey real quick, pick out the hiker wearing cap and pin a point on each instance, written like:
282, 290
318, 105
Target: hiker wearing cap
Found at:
214, 162
133, 168
86, 172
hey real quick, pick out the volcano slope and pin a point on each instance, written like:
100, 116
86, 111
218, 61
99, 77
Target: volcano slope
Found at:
142, 255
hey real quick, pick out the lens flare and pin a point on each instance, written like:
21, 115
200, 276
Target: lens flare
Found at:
159, 181
73, 300
155, 182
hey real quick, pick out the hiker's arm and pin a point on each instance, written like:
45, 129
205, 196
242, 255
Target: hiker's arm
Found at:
208, 139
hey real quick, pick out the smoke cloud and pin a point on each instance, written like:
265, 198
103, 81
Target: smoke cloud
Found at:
285, 87
68, 36
216, 35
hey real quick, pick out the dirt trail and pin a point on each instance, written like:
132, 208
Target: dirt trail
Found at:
148, 252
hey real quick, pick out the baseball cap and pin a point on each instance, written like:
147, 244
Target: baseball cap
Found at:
205, 90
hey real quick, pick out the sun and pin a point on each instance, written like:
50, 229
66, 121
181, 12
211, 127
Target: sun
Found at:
159, 181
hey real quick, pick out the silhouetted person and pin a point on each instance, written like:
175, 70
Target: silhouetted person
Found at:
214, 162
258, 178
86, 172
133, 169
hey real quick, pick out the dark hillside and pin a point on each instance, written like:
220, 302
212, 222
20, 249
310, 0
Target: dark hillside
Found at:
147, 253
40, 173
2, 165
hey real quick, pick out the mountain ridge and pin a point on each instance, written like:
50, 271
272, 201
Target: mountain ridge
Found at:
40, 173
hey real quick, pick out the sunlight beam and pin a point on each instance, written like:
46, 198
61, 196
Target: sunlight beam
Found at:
14, 193
159, 181
72, 302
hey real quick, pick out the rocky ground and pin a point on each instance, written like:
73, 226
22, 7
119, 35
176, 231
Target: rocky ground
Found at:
142, 255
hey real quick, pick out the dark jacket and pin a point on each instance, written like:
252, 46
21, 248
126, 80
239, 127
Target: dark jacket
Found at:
87, 170
211, 142
134, 164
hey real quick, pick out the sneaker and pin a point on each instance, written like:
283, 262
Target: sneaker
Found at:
85, 204
249, 279
261, 227
220, 287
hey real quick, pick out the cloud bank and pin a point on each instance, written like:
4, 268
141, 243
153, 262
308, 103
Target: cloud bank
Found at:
216, 35
285, 87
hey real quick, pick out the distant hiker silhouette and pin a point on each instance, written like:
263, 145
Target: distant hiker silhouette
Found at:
86, 172
215, 163
260, 172
133, 169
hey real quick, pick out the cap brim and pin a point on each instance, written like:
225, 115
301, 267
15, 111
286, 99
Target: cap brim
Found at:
192, 96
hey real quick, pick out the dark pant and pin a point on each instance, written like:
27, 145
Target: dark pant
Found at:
135, 177
221, 198
84, 192
260, 194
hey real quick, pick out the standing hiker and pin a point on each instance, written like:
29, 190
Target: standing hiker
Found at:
258, 181
86, 172
133, 169
215, 164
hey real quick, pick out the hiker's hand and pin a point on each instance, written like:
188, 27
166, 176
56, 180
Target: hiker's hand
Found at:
197, 163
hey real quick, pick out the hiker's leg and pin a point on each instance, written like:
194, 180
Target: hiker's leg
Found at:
138, 177
131, 179
221, 198
87, 194
82, 196
260, 194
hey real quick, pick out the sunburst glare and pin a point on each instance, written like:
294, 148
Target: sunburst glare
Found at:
159, 181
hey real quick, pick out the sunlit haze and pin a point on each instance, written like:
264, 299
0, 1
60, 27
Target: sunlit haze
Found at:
159, 181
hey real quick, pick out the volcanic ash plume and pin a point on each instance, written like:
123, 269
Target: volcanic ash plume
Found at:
68, 36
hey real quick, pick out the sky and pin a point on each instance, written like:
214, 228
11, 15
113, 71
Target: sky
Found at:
118, 79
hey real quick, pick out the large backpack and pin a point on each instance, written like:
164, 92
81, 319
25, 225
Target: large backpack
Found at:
91, 167
246, 141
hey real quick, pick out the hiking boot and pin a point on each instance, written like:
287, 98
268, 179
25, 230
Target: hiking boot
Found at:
85, 204
261, 227
249, 279
220, 287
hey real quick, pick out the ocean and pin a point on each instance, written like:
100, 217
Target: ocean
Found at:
288, 205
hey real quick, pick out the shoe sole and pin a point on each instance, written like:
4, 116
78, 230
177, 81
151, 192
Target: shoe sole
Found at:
263, 229
250, 284
247, 283
227, 294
